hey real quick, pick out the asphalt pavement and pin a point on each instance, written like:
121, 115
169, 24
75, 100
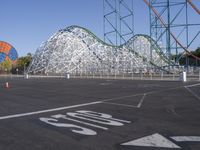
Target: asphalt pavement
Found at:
99, 114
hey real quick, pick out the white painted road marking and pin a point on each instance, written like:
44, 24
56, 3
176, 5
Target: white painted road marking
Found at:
93, 113
74, 128
99, 118
141, 101
119, 104
194, 94
138, 105
105, 121
47, 110
63, 108
186, 138
155, 140
198, 84
74, 120
85, 104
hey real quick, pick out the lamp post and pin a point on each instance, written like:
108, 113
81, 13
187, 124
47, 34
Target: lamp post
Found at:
24, 68
17, 71
6, 70
6, 73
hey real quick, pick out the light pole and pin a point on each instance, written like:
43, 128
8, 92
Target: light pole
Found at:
17, 71
24, 68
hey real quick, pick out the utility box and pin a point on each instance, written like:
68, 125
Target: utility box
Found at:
67, 76
26, 76
183, 76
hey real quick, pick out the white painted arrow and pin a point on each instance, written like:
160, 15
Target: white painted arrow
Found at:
186, 138
154, 140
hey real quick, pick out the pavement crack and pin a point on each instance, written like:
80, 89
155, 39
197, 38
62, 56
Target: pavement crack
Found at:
171, 109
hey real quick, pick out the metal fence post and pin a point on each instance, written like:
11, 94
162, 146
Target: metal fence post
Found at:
162, 75
132, 75
199, 73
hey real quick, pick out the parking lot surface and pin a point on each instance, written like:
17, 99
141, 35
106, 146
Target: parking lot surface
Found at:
99, 114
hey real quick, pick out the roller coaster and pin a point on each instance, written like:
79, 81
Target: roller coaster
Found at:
76, 50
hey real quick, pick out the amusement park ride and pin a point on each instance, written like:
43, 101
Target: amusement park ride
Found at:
173, 34
170, 25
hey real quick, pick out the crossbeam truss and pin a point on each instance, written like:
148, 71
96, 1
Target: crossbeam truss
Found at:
76, 50
118, 21
172, 24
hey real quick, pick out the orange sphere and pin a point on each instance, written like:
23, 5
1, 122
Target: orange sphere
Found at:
7, 52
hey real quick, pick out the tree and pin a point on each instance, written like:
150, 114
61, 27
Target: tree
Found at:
189, 59
197, 52
23, 62
6, 65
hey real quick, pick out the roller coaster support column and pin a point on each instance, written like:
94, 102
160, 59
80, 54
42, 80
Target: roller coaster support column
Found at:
163, 29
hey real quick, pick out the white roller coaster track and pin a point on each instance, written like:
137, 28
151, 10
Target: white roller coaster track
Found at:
76, 49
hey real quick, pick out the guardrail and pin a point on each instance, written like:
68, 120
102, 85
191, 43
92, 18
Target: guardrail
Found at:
128, 76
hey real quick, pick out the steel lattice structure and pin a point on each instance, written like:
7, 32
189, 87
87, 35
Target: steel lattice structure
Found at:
118, 21
77, 50
172, 24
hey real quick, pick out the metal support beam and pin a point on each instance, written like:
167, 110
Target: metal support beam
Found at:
118, 21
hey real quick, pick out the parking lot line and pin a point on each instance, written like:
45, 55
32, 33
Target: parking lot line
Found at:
47, 110
198, 84
141, 101
119, 104
92, 103
193, 93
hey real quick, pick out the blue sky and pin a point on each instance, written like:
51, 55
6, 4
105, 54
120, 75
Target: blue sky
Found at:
27, 23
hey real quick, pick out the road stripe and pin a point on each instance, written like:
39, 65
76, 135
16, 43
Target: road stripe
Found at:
155, 140
119, 104
186, 138
194, 94
63, 108
198, 84
91, 103
47, 110
141, 101
82, 122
